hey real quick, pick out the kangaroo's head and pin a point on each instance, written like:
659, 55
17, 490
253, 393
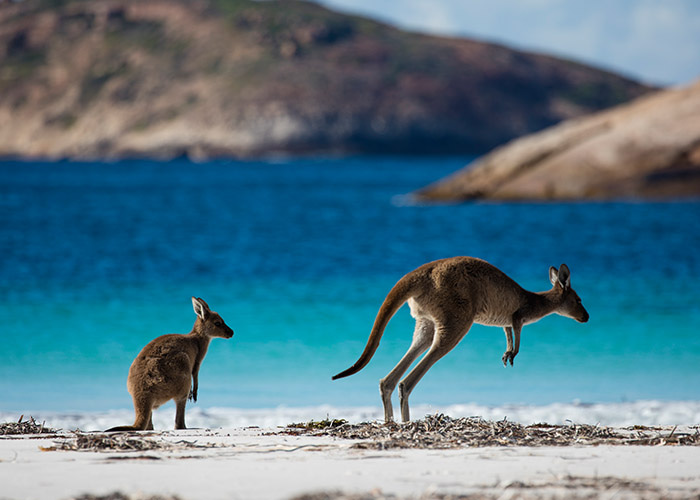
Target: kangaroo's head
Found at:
212, 325
570, 304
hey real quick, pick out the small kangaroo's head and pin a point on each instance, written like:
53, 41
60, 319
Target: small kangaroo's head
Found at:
212, 325
570, 304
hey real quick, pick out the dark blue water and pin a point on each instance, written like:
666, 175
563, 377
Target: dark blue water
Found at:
297, 256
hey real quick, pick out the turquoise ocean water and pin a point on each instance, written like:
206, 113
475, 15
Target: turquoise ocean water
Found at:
297, 256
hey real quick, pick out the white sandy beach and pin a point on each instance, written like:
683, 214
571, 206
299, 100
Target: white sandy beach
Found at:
250, 463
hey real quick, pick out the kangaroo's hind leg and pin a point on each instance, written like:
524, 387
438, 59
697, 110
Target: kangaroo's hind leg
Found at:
422, 338
180, 413
446, 337
143, 407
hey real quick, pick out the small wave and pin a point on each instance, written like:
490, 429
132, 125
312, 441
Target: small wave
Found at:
607, 414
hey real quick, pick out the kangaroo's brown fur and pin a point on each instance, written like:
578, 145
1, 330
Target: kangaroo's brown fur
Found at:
446, 297
168, 368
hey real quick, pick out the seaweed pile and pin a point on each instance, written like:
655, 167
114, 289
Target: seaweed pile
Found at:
118, 442
22, 426
117, 495
442, 432
318, 424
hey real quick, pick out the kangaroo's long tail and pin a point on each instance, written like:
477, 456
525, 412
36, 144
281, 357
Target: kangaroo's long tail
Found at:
394, 300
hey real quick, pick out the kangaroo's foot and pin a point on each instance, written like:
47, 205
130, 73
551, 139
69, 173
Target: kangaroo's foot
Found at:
403, 401
385, 389
508, 356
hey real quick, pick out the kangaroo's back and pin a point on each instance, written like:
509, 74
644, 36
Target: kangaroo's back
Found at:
163, 367
464, 271
487, 291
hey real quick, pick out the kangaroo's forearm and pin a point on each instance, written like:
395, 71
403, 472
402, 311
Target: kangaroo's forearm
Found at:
509, 338
195, 381
195, 387
517, 328
509, 354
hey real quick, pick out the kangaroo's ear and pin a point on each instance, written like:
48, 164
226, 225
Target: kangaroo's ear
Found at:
200, 307
553, 275
564, 276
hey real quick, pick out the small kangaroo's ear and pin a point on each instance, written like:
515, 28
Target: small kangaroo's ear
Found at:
200, 307
553, 275
564, 276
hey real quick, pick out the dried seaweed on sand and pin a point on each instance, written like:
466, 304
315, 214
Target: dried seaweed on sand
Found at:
442, 432
22, 426
551, 488
119, 442
319, 424
122, 496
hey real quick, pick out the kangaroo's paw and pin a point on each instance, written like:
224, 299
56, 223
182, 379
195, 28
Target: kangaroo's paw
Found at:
508, 356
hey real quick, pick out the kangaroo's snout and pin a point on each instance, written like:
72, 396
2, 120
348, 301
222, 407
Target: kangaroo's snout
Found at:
224, 331
584, 317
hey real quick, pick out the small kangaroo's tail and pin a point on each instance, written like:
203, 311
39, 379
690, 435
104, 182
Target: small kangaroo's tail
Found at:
394, 300
141, 424
122, 428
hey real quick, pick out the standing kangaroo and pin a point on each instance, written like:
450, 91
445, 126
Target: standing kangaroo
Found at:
446, 297
168, 368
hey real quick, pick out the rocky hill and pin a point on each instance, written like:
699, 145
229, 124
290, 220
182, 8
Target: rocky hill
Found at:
208, 78
649, 148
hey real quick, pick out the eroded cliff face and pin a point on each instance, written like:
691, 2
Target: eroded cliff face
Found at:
649, 148
206, 78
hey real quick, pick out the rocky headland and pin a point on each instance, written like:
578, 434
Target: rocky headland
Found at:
646, 149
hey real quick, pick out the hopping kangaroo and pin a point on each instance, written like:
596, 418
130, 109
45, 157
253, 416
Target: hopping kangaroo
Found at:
168, 368
446, 297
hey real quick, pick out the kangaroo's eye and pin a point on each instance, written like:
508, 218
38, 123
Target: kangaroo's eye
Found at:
218, 323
